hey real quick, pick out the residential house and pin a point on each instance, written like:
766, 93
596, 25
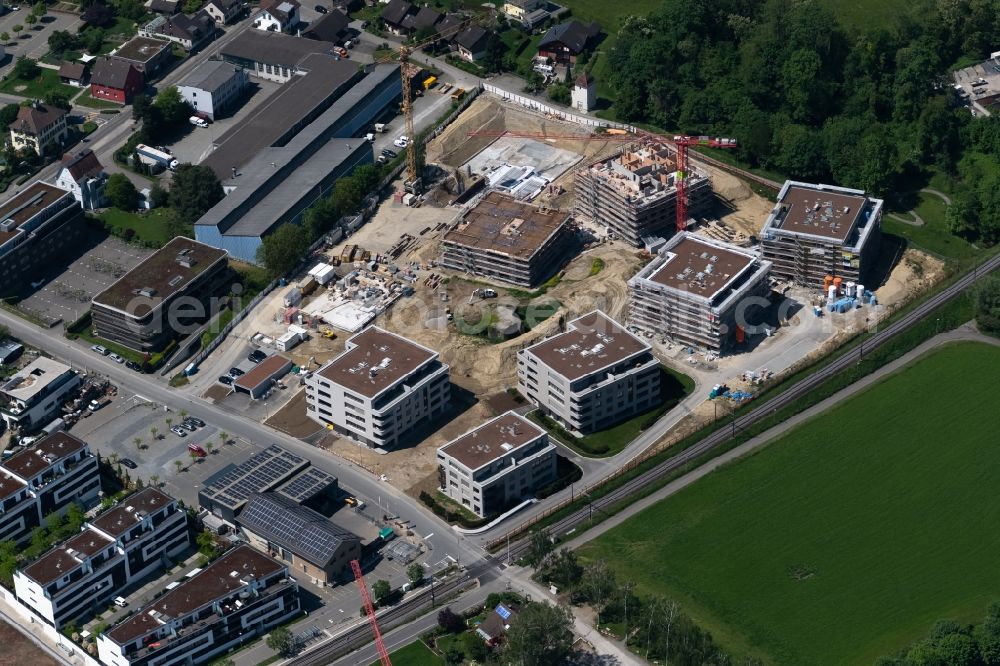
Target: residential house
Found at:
165, 7
115, 80
190, 32
494, 626
224, 11
564, 43
214, 87
73, 74
83, 175
471, 43
278, 16
38, 128
425, 19
330, 27
395, 14
530, 13
147, 54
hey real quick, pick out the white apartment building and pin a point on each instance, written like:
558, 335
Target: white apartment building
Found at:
699, 291
31, 398
590, 377
379, 389
118, 549
495, 466
45, 479
235, 599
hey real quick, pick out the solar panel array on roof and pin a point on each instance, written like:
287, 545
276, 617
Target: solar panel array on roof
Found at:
261, 472
307, 485
303, 531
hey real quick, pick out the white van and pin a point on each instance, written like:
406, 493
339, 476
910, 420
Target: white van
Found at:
120, 602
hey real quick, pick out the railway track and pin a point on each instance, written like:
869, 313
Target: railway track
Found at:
719, 437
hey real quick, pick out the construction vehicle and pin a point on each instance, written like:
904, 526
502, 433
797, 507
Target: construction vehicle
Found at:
328, 334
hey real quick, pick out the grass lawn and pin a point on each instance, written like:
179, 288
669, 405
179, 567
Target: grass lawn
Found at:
847, 538
674, 386
149, 227
86, 99
933, 236
46, 81
414, 654
859, 14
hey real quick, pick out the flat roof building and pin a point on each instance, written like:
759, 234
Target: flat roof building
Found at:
493, 467
697, 292
233, 600
507, 240
290, 152
38, 227
168, 291
634, 194
119, 549
379, 389
146, 54
30, 398
214, 87
819, 230
44, 479
305, 539
590, 377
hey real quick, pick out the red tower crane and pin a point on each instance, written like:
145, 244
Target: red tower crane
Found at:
383, 654
683, 143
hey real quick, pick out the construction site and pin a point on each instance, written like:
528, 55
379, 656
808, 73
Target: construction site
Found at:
399, 271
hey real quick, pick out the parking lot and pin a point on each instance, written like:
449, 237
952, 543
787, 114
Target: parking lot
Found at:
198, 143
33, 41
66, 293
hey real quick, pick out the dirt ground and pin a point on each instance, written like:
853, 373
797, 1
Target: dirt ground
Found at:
292, 418
18, 650
915, 273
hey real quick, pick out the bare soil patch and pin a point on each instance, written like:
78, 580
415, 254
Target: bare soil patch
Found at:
19, 650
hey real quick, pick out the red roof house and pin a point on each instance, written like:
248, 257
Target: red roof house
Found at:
115, 80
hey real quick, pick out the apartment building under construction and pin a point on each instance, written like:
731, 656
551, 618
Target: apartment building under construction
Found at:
507, 240
699, 291
633, 192
819, 230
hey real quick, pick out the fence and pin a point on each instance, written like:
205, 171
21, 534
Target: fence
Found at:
237, 318
534, 105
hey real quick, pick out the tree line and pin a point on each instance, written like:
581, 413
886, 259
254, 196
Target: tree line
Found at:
871, 108
953, 644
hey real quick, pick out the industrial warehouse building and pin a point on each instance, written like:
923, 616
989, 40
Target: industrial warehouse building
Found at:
291, 150
145, 308
696, 291
37, 227
633, 193
495, 466
233, 600
380, 389
819, 230
507, 240
590, 377
43, 480
114, 551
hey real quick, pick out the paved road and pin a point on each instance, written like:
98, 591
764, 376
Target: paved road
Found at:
579, 519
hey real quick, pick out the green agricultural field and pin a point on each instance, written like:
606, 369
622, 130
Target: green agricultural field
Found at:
847, 538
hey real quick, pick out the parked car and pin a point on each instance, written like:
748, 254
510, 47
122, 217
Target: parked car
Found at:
116, 358
256, 356
401, 141
179, 431
196, 421
132, 365
121, 602
321, 9
489, 293
382, 159
389, 153
103, 351
236, 372
197, 450
128, 462
190, 427
200, 122
226, 379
